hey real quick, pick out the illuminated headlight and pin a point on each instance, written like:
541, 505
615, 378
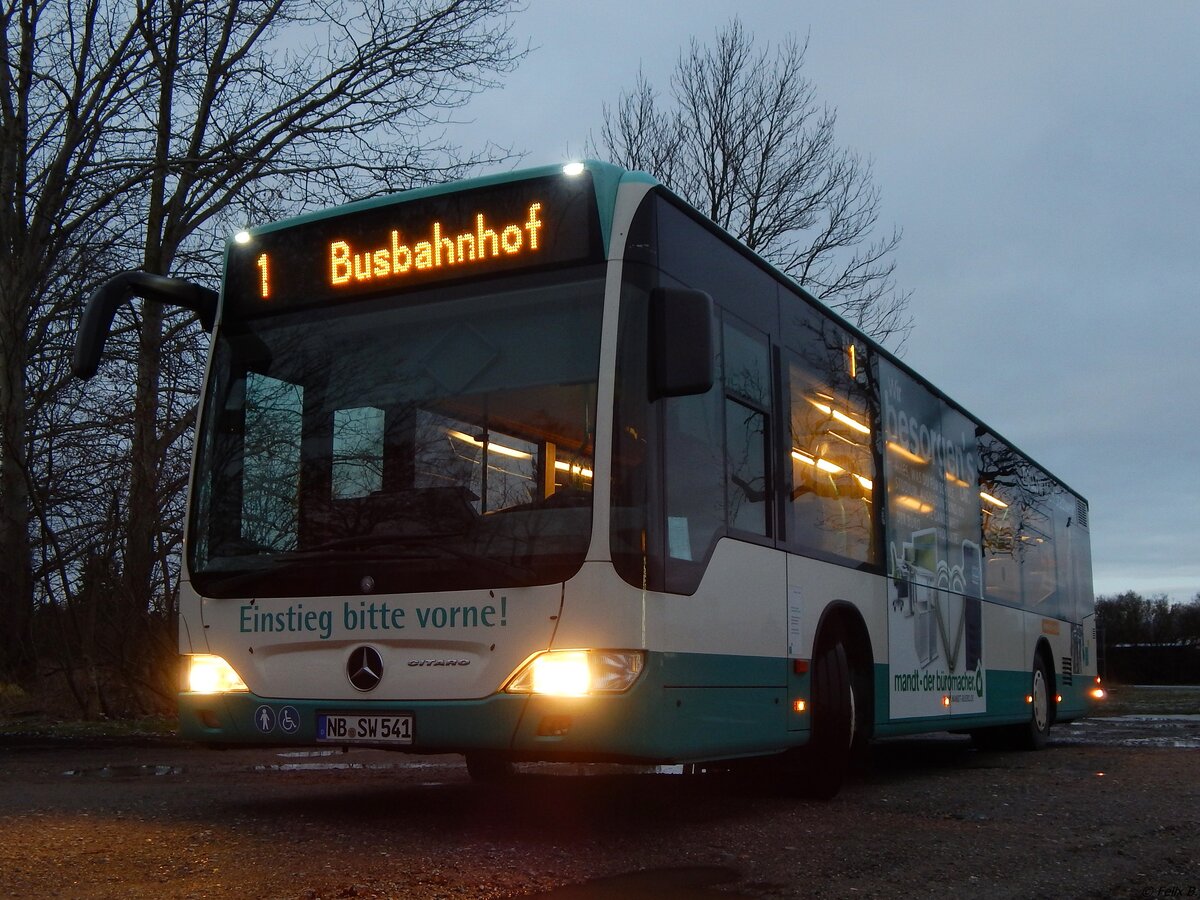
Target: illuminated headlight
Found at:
206, 674
577, 673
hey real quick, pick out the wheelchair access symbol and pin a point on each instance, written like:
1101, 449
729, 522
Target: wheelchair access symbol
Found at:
266, 718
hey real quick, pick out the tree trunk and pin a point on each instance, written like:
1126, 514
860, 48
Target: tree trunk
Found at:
16, 576
143, 509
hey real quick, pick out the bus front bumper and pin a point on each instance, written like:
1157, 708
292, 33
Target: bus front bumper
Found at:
651, 723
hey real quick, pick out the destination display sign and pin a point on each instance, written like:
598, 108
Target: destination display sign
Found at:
390, 248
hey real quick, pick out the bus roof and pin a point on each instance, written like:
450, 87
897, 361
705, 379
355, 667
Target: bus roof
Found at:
606, 179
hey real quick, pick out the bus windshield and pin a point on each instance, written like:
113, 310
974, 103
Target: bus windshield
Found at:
422, 442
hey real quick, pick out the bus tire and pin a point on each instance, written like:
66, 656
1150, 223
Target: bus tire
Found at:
488, 768
818, 769
1034, 734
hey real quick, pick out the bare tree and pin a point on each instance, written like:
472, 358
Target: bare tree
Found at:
67, 76
744, 139
138, 135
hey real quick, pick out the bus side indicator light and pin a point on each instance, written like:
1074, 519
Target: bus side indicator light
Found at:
799, 706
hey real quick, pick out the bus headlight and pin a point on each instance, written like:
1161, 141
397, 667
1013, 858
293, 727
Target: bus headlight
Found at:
577, 673
208, 674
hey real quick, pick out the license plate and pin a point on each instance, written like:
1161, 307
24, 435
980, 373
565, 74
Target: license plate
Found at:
365, 729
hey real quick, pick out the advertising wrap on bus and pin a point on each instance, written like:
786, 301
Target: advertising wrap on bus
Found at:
935, 626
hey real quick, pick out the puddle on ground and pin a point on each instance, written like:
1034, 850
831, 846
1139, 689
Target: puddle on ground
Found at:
125, 772
309, 754
1172, 731
682, 882
322, 762
325, 767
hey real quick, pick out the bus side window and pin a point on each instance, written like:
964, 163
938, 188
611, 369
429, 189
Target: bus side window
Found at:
833, 466
747, 404
695, 484
1001, 524
1023, 566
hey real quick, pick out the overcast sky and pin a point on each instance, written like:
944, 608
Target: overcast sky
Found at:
1043, 162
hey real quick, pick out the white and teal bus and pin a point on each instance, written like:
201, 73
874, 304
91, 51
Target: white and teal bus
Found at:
545, 466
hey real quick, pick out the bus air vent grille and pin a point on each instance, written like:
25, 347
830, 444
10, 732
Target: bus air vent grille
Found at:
1081, 512
1068, 670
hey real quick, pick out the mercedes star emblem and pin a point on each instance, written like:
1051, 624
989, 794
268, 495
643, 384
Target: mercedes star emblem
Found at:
365, 668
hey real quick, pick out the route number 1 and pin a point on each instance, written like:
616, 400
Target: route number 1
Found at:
265, 271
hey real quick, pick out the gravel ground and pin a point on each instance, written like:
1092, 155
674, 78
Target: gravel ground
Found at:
1111, 809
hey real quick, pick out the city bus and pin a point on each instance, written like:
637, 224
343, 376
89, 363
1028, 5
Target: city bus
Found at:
545, 466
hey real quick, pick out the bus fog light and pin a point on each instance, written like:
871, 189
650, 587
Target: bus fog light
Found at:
207, 674
554, 726
577, 673
208, 718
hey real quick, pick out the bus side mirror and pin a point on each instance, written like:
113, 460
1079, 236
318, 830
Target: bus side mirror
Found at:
682, 345
102, 306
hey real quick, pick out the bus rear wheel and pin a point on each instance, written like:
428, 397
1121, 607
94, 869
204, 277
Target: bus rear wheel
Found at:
818, 769
1036, 732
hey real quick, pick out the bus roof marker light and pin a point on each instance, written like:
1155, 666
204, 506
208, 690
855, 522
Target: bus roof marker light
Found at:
572, 169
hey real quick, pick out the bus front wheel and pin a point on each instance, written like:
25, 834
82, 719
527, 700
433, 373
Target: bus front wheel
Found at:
818, 769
